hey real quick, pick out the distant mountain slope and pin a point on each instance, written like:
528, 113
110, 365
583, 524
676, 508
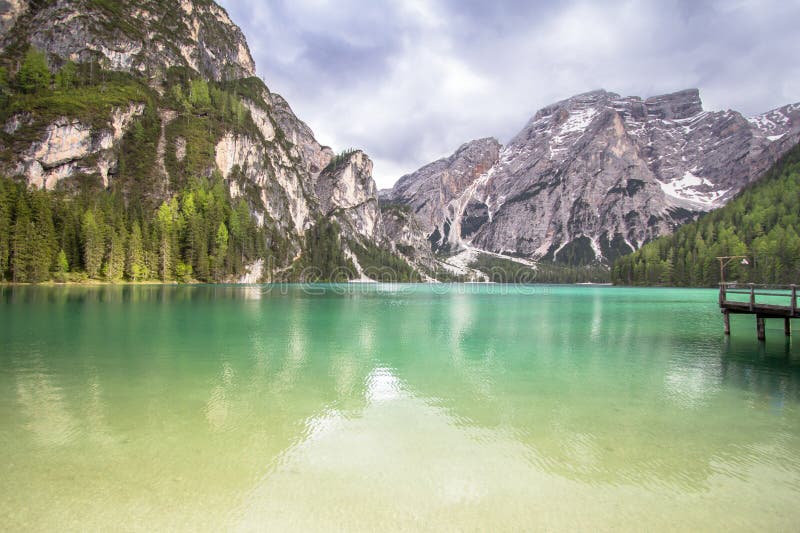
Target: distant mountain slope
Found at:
762, 223
594, 176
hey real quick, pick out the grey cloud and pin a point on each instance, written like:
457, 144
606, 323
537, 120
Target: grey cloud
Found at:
342, 63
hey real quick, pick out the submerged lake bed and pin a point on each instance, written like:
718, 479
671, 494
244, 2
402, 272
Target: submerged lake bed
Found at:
399, 407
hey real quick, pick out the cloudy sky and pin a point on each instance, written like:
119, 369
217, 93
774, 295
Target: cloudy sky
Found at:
408, 81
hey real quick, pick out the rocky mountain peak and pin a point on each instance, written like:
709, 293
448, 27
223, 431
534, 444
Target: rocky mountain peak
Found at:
675, 106
560, 109
346, 182
139, 36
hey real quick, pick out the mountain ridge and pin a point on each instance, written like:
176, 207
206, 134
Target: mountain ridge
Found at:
601, 173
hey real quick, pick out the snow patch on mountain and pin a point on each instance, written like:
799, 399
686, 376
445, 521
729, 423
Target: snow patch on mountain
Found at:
686, 189
775, 124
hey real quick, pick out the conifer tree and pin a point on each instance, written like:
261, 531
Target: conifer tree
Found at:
166, 225
65, 78
135, 267
115, 258
62, 266
198, 94
21, 241
92, 239
43, 242
5, 227
220, 251
34, 74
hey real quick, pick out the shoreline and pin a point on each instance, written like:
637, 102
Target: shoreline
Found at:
357, 282
90, 283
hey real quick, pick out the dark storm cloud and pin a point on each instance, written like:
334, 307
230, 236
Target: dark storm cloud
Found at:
409, 81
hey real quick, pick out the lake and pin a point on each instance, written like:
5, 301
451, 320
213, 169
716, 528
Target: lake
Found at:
393, 407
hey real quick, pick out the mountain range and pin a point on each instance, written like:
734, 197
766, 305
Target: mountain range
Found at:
152, 103
594, 176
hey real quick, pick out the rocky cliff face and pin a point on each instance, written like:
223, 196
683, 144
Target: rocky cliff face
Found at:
67, 144
143, 36
347, 192
407, 237
432, 191
598, 175
10, 10
283, 162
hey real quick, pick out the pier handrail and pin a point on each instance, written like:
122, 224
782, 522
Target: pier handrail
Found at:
758, 289
777, 286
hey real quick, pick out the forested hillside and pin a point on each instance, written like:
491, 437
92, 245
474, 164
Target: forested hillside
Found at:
126, 231
197, 235
762, 223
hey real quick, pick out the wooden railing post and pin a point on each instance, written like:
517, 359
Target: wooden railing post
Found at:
752, 296
721, 293
794, 299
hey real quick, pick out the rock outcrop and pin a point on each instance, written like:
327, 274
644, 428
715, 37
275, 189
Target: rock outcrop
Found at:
144, 36
598, 175
403, 231
347, 192
68, 147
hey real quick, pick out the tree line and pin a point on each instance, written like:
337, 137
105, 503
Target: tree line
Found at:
198, 234
501, 270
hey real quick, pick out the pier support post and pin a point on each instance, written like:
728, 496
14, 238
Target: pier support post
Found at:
787, 326
727, 319
760, 328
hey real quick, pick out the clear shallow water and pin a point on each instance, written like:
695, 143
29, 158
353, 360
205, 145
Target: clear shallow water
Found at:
392, 407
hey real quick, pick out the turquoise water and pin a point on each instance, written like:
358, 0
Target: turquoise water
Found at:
392, 407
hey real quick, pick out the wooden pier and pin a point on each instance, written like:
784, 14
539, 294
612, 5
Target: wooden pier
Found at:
750, 299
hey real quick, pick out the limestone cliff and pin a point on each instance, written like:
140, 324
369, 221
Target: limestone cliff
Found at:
431, 191
347, 191
67, 144
143, 36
